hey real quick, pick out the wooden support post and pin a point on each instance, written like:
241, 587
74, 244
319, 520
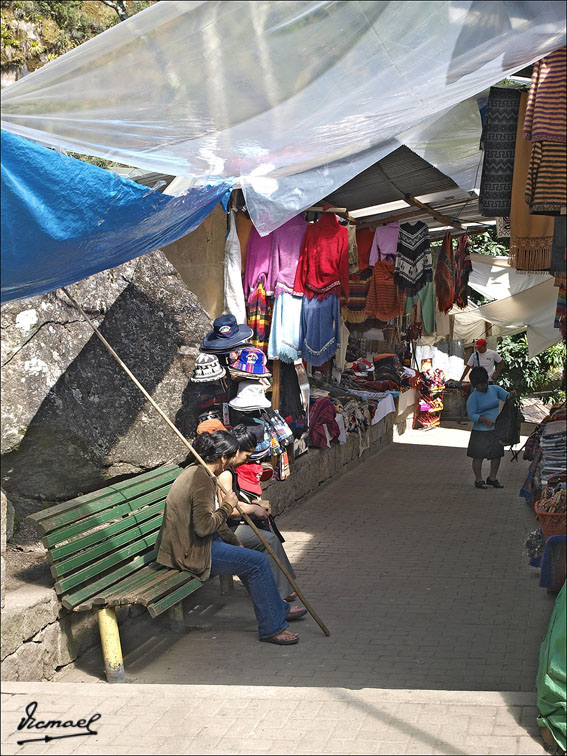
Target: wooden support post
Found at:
276, 384
226, 584
110, 642
175, 619
438, 216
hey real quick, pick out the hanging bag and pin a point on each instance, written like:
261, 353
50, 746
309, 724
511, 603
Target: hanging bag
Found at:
508, 423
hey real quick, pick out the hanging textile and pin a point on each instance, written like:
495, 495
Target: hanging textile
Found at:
244, 227
558, 248
413, 262
498, 143
546, 112
257, 261
322, 415
352, 309
352, 249
426, 298
259, 316
284, 332
323, 262
444, 272
503, 227
234, 303
385, 300
531, 236
462, 268
546, 187
385, 242
319, 335
284, 255
364, 239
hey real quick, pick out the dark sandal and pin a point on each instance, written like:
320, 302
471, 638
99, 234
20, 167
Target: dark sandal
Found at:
480, 484
296, 615
280, 641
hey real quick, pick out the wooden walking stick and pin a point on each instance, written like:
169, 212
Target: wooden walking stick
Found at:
243, 514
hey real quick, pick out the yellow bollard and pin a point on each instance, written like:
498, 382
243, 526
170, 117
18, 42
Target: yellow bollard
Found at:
110, 642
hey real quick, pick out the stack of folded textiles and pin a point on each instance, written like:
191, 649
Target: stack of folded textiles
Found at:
553, 445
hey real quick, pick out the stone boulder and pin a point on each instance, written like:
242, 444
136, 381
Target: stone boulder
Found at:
72, 419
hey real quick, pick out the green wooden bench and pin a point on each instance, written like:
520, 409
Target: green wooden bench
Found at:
101, 547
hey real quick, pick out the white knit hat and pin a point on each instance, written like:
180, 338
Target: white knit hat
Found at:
207, 368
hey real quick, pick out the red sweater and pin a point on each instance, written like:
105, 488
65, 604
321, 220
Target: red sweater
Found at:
323, 263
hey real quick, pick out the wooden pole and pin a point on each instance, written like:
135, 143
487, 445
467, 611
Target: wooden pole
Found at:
276, 384
201, 462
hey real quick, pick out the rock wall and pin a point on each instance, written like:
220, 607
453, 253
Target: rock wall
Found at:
72, 419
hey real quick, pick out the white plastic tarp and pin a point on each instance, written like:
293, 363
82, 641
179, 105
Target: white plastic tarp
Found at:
534, 307
494, 277
291, 99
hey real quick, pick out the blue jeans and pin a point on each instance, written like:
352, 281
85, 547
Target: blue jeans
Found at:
253, 569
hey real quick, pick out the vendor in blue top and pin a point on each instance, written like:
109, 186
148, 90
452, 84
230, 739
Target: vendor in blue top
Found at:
483, 406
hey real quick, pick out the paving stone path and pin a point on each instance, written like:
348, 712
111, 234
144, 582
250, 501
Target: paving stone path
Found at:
435, 617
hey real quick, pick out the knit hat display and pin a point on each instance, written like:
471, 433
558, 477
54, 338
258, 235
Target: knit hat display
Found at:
210, 426
249, 362
226, 335
207, 368
250, 396
362, 367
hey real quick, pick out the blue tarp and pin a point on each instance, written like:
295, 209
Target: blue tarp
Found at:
64, 220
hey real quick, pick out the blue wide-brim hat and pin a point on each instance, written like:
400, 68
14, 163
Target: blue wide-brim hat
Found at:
226, 334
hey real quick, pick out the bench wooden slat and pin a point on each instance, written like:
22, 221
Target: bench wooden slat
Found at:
163, 604
151, 593
81, 576
115, 593
144, 479
105, 540
80, 600
83, 526
112, 498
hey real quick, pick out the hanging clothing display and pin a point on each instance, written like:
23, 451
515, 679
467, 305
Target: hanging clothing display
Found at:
284, 333
259, 316
462, 271
499, 143
546, 112
546, 188
284, 256
319, 335
352, 249
385, 242
385, 300
531, 236
444, 275
258, 257
364, 239
352, 309
426, 298
244, 227
558, 258
322, 414
234, 303
413, 267
323, 263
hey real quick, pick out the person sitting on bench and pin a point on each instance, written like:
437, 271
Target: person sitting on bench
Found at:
194, 536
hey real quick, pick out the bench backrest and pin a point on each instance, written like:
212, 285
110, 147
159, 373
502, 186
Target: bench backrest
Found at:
102, 537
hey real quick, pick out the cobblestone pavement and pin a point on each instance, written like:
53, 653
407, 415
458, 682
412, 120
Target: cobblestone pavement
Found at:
435, 618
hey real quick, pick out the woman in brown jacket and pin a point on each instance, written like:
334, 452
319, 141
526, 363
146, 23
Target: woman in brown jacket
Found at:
194, 536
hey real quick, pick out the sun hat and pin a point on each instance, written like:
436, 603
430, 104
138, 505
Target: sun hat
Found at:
211, 414
250, 396
226, 334
207, 368
480, 343
250, 362
210, 426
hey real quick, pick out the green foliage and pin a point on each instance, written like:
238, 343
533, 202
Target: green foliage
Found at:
488, 243
543, 373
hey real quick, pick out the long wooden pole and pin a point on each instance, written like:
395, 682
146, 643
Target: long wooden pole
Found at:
201, 461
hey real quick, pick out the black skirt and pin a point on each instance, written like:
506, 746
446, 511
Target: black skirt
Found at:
484, 445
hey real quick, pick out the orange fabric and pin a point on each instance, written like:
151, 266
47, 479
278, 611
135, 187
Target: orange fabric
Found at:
243, 227
385, 301
364, 239
210, 426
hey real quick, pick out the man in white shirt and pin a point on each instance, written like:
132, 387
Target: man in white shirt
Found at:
486, 358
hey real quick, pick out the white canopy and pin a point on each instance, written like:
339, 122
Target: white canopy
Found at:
290, 99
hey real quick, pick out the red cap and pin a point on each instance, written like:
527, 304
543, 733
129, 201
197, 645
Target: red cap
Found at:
480, 343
